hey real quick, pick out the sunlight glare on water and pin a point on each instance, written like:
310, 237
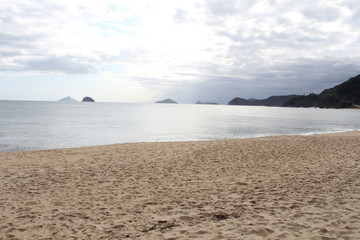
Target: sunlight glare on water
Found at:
26, 125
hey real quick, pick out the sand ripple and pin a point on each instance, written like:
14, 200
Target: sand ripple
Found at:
288, 187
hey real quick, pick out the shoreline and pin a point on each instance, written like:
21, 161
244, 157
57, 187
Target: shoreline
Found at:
176, 141
274, 187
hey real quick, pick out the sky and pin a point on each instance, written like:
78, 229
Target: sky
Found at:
186, 50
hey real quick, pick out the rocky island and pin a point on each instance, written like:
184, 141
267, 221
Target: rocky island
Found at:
88, 99
209, 103
168, 100
67, 99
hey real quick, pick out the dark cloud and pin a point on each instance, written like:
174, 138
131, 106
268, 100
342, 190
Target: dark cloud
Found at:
296, 76
6, 53
355, 19
57, 64
17, 40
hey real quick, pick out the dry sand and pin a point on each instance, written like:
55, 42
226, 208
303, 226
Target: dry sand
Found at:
287, 187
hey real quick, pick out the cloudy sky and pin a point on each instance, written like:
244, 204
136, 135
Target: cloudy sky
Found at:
143, 51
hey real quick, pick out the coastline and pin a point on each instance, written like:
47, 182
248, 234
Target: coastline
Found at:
278, 187
175, 141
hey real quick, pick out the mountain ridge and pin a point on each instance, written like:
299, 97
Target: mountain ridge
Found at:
272, 101
344, 95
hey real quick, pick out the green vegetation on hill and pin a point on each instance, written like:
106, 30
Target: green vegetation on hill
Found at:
270, 101
345, 95
88, 99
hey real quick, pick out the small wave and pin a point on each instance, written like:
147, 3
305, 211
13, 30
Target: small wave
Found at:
328, 132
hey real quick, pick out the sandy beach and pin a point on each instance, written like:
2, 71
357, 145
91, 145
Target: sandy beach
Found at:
285, 187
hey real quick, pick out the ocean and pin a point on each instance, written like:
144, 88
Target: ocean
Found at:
30, 125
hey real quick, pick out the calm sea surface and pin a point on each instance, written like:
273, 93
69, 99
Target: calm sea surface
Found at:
26, 125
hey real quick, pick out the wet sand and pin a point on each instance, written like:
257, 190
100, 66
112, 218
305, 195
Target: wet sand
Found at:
286, 187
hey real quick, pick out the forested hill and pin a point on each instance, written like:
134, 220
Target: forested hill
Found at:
270, 101
344, 95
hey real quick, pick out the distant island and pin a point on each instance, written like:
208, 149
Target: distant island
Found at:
168, 100
273, 101
67, 99
210, 103
88, 99
344, 95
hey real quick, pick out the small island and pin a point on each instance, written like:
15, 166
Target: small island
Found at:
67, 99
167, 101
209, 103
88, 99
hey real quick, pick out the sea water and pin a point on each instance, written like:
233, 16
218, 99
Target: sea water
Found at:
27, 125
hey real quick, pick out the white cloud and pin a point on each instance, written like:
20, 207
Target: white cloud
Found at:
170, 46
